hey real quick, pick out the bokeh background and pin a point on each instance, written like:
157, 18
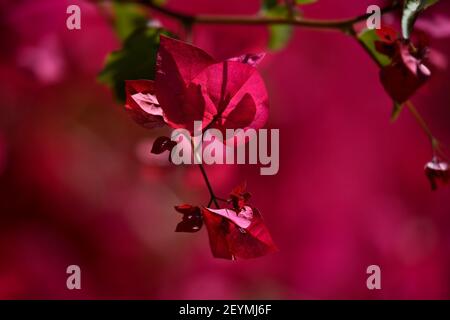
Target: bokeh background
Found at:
78, 184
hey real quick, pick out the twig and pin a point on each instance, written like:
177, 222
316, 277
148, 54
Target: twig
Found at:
210, 189
341, 24
435, 144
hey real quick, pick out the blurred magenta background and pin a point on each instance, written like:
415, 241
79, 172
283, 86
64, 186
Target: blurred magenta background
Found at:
79, 186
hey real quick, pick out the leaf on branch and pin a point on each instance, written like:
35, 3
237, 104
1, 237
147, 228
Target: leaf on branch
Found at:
192, 218
269, 4
128, 17
411, 10
429, 3
162, 144
369, 38
303, 2
279, 34
396, 110
234, 234
136, 60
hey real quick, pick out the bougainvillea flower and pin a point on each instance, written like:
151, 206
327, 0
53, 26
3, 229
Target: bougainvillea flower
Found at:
234, 234
190, 85
239, 197
406, 73
387, 34
241, 218
192, 218
387, 37
162, 144
437, 171
142, 104
251, 59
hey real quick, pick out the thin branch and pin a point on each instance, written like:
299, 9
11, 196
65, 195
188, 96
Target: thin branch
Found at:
210, 189
425, 128
341, 24
353, 33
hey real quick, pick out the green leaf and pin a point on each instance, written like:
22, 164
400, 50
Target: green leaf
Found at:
303, 2
411, 11
429, 3
279, 34
136, 60
159, 2
127, 18
368, 38
269, 4
396, 110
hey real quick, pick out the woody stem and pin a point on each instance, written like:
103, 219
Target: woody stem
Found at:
415, 113
341, 24
210, 189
